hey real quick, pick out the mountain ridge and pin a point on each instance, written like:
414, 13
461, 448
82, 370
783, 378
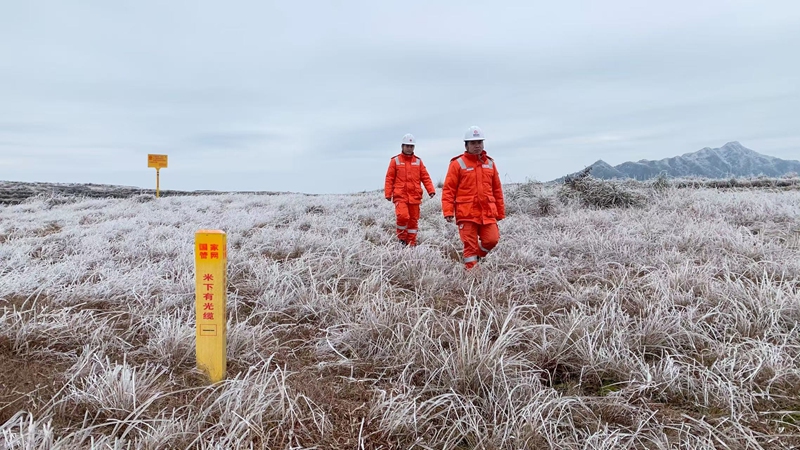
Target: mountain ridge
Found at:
731, 160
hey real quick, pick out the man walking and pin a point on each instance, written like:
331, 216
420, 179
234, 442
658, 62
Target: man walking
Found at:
473, 197
402, 187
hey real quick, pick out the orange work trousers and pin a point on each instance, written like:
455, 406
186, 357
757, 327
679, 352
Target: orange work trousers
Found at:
478, 240
407, 222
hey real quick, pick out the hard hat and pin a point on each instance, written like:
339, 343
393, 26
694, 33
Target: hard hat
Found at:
473, 134
409, 139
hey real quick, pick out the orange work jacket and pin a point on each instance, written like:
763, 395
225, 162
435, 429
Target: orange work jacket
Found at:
472, 191
403, 179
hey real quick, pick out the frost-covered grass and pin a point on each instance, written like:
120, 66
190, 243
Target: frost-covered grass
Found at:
668, 326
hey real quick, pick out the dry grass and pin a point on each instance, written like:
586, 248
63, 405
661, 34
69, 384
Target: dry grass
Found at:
671, 325
597, 193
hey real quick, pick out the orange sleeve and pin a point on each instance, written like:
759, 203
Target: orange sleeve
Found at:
449, 190
497, 191
388, 186
426, 179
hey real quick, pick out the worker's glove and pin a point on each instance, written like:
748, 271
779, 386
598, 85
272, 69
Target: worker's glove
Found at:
449, 219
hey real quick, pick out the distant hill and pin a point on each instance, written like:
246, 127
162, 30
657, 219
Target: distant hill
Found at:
14, 192
731, 160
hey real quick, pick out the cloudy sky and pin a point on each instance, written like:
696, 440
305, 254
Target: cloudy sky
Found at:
315, 96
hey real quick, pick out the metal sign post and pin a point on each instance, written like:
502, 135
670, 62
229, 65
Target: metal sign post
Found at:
158, 162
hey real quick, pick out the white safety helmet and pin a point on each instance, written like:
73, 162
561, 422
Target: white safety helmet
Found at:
473, 134
409, 139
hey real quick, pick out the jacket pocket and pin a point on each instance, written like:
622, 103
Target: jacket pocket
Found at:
492, 212
492, 208
464, 206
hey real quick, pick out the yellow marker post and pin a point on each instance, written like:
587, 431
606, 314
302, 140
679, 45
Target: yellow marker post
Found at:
211, 278
158, 162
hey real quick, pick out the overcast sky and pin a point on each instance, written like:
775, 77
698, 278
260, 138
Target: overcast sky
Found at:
316, 96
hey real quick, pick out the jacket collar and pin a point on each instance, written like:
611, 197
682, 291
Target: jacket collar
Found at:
479, 158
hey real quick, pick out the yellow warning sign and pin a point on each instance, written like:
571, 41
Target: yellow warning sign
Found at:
211, 279
157, 161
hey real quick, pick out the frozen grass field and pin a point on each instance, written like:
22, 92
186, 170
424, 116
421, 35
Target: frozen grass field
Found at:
673, 324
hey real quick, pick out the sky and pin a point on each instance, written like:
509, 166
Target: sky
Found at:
315, 97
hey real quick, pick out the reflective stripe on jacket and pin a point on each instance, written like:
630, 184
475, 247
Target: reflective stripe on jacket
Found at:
472, 190
403, 179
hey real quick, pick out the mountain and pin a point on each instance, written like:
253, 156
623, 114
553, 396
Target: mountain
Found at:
602, 169
731, 160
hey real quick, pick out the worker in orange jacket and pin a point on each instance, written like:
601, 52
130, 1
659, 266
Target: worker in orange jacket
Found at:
402, 187
473, 197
